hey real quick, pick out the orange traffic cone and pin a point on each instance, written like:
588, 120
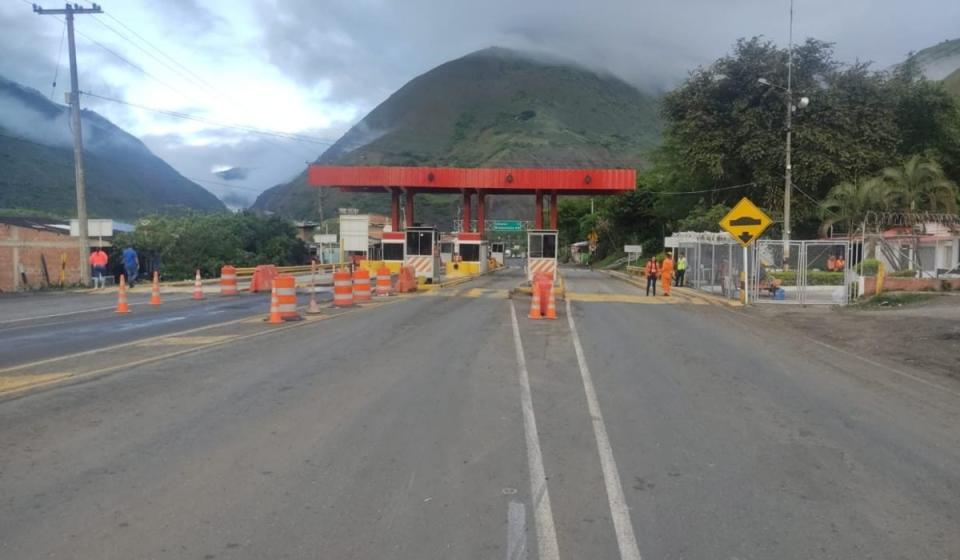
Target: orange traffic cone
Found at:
155, 294
122, 306
274, 318
535, 301
197, 287
551, 304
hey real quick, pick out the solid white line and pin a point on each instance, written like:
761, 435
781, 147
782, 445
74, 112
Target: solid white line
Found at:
622, 524
516, 531
68, 313
539, 495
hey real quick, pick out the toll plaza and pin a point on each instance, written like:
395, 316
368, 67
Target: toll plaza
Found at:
542, 253
394, 252
470, 253
423, 252
497, 249
423, 247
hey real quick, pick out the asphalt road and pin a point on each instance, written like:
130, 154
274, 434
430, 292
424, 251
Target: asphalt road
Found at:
63, 324
439, 427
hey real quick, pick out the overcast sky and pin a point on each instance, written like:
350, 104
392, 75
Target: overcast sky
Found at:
315, 67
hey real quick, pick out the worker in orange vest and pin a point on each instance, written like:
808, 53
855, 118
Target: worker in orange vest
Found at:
666, 273
98, 263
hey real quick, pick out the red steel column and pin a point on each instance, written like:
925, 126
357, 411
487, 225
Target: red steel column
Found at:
466, 211
553, 211
538, 212
395, 210
409, 208
481, 211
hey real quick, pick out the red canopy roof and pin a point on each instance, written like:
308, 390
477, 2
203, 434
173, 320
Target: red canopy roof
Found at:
488, 180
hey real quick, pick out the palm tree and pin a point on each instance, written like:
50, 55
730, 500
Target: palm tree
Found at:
922, 186
848, 203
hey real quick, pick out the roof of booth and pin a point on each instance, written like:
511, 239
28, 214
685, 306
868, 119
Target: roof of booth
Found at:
506, 180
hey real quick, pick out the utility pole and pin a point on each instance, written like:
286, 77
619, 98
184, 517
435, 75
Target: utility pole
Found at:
788, 172
68, 12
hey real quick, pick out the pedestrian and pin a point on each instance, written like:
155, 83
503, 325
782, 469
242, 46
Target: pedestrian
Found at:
98, 264
651, 271
131, 265
681, 269
666, 273
831, 263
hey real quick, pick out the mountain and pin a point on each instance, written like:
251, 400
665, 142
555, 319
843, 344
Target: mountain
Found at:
492, 108
939, 61
124, 179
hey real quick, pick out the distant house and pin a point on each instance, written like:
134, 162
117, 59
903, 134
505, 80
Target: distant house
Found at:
932, 250
33, 251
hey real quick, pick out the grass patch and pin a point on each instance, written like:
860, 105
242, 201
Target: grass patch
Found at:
895, 299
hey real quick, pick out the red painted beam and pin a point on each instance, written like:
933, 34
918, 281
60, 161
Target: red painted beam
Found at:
499, 180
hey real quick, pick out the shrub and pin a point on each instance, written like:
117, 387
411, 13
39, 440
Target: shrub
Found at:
814, 278
868, 267
909, 273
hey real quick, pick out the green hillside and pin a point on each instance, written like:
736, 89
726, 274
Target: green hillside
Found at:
494, 107
952, 82
124, 179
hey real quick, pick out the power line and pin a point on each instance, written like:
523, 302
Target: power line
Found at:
148, 53
250, 129
154, 47
671, 193
56, 69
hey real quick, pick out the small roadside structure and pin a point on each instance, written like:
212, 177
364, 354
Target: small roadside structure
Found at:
38, 252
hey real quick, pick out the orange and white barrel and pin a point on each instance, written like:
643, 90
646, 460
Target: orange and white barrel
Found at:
361, 285
536, 265
383, 282
342, 288
286, 286
228, 281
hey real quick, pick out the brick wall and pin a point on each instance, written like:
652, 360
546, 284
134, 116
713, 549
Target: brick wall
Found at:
909, 284
25, 246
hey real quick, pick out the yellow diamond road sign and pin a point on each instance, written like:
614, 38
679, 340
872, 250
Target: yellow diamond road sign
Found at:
745, 222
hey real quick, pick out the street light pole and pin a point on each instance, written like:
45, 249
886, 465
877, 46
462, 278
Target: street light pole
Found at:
788, 182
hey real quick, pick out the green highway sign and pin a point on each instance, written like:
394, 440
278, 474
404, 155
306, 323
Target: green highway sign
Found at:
507, 225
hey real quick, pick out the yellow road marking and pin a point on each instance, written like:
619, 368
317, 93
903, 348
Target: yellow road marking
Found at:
50, 379
13, 383
187, 340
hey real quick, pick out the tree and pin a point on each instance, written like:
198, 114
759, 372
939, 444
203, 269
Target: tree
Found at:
849, 202
921, 185
725, 129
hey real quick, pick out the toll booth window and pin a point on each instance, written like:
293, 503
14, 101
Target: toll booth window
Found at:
470, 253
543, 246
549, 246
420, 243
393, 251
446, 247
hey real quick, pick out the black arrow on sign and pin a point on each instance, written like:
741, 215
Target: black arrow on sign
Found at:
746, 237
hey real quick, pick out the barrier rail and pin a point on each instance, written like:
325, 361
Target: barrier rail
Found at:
248, 271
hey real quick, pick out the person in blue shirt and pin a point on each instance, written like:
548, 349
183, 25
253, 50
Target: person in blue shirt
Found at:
131, 265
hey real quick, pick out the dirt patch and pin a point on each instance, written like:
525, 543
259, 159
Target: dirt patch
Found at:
923, 334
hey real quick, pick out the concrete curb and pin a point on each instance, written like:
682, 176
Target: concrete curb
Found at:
689, 292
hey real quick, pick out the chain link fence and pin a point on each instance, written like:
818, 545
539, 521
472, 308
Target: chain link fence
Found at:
815, 272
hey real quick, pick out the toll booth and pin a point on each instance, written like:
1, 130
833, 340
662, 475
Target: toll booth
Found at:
470, 255
394, 250
423, 253
447, 248
541, 252
497, 250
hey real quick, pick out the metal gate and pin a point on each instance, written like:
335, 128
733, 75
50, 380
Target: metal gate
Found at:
813, 272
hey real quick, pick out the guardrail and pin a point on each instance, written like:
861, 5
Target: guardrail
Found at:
248, 271
636, 270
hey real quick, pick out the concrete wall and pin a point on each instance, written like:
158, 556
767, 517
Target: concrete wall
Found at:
908, 284
20, 246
